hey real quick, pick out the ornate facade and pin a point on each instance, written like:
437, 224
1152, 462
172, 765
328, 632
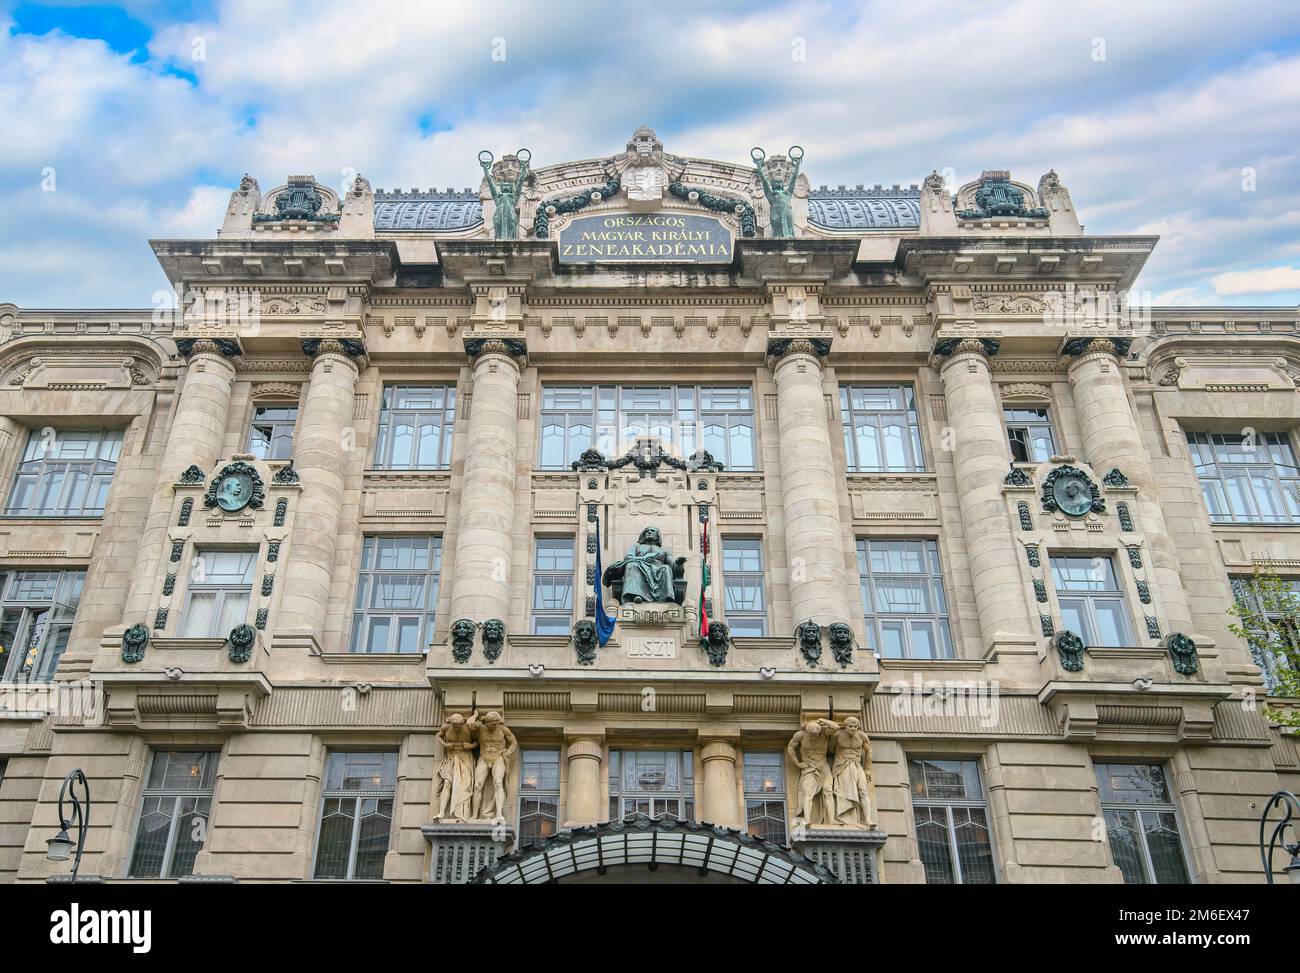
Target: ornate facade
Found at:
645, 509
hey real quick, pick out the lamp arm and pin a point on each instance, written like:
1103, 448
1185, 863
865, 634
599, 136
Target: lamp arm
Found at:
1291, 804
80, 812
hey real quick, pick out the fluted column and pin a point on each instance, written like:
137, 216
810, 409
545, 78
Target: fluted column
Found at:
814, 541
719, 803
194, 439
979, 461
1111, 441
320, 457
481, 584
582, 800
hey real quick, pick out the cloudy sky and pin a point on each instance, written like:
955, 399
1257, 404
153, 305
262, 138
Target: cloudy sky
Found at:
120, 124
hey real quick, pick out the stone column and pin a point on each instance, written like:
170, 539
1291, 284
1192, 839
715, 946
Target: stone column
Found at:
582, 799
814, 540
979, 462
1111, 441
484, 535
719, 803
320, 456
194, 439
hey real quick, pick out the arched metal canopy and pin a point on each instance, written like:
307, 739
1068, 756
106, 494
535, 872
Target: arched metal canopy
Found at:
709, 850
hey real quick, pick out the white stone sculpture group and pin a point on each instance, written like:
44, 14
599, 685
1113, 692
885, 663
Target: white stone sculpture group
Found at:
834, 764
470, 786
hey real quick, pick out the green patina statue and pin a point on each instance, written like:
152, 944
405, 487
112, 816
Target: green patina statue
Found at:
780, 193
648, 573
513, 170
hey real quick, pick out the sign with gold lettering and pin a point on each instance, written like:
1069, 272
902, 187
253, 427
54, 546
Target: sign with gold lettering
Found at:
646, 238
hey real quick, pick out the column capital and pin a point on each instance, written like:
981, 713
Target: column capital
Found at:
1079, 347
514, 348
584, 747
225, 347
353, 349
717, 748
783, 347
951, 348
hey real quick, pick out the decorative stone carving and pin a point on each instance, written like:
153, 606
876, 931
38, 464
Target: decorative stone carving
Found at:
1070, 649
1182, 651
134, 640
285, 474
240, 640
1026, 519
462, 639
1031, 555
1069, 490
213, 346
648, 573
738, 208
851, 773
1125, 517
585, 641
299, 200
778, 348
494, 638
647, 455
187, 510
717, 643
841, 638
809, 748
777, 177
997, 196
281, 511
505, 182
1097, 346
571, 204
454, 781
988, 347
809, 634
351, 347
192, 475
237, 486
496, 745
1017, 477
1115, 478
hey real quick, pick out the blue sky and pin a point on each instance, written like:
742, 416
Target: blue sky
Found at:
124, 123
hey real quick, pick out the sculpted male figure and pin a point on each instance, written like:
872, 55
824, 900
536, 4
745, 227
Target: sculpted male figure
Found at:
808, 749
496, 745
456, 772
851, 774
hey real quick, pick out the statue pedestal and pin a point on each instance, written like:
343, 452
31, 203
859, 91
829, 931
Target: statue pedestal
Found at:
460, 850
852, 854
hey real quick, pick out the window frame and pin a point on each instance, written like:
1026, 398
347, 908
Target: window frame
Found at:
357, 796
382, 457
948, 805
851, 417
537, 614
538, 794
1044, 423
1089, 599
40, 468
774, 763
277, 426
1243, 592
759, 578
60, 611
932, 581
1137, 808
363, 592
1286, 486
684, 794
223, 591
176, 795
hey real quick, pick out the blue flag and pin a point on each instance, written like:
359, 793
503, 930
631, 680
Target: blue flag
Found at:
604, 624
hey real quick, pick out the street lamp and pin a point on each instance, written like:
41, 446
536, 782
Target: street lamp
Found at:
61, 845
1289, 803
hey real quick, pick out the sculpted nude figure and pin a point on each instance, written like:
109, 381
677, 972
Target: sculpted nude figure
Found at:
808, 749
496, 745
852, 775
456, 772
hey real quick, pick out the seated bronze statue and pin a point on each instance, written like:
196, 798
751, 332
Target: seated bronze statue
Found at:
648, 573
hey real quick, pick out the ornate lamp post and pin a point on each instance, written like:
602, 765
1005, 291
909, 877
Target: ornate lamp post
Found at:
1291, 805
61, 845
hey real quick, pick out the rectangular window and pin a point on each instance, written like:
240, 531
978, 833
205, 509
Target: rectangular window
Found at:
684, 418
1279, 614
220, 587
415, 426
1092, 606
356, 815
742, 575
270, 436
397, 593
765, 796
553, 586
36, 613
652, 782
952, 825
539, 795
1247, 479
903, 601
881, 429
65, 473
174, 810
1029, 431
1142, 824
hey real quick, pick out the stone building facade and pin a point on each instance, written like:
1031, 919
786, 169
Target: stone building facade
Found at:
264, 556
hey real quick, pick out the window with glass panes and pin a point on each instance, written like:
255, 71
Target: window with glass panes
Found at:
415, 427
552, 585
1029, 432
356, 815
1092, 605
952, 823
220, 587
1281, 613
37, 609
881, 429
397, 593
685, 418
539, 794
651, 782
65, 473
903, 601
742, 585
1142, 824
1247, 479
765, 795
174, 809
270, 434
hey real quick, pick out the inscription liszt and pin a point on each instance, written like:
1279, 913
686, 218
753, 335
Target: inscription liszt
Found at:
651, 237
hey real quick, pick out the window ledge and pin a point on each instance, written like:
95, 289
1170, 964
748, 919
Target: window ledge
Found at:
380, 658
973, 665
53, 518
1262, 525
870, 476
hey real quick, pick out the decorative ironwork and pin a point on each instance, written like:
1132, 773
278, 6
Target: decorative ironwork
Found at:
1069, 490
285, 474
809, 634
134, 640
281, 511
1125, 517
1070, 649
494, 638
193, 475
585, 641
1017, 477
187, 509
550, 208
1026, 520
1182, 651
237, 486
241, 640
739, 208
841, 639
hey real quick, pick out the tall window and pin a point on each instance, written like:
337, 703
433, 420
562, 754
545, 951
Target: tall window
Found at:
36, 613
881, 429
742, 574
397, 593
1142, 824
1247, 479
651, 782
903, 602
1029, 431
1092, 606
553, 586
270, 436
415, 425
356, 815
221, 584
952, 825
539, 794
765, 795
1243, 589
719, 418
65, 473
174, 811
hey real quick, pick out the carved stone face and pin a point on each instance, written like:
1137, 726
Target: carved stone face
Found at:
852, 724
456, 719
841, 634
462, 631
813, 728
492, 718
809, 634
584, 634
494, 630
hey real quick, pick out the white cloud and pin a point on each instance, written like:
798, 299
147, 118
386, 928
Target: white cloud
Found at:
1267, 280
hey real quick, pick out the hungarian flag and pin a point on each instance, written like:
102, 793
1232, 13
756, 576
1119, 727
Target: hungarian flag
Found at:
704, 574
